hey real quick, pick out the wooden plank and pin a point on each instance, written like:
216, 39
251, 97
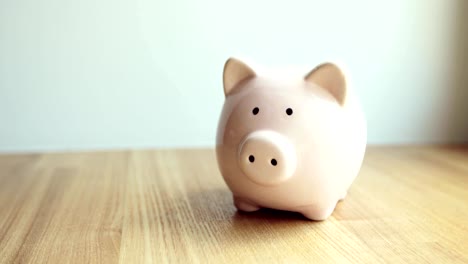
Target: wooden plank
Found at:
408, 205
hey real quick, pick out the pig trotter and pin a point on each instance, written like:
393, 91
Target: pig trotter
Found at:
317, 213
245, 205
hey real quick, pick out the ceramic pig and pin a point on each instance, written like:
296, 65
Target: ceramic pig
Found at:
289, 144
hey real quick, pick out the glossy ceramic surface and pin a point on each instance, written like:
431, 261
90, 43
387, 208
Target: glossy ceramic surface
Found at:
289, 144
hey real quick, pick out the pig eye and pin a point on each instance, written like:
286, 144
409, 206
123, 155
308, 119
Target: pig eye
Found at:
255, 111
289, 111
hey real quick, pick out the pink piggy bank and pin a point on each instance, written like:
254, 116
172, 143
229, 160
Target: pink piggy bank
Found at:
289, 144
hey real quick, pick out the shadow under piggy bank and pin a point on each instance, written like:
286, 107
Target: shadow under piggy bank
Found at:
269, 215
217, 204
250, 233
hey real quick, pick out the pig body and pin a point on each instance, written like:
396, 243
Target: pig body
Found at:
294, 145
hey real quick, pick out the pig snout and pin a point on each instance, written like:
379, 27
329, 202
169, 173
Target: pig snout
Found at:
266, 157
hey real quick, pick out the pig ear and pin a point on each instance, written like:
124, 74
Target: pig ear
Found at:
331, 78
235, 71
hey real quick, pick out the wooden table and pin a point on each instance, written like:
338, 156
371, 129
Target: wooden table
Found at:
408, 205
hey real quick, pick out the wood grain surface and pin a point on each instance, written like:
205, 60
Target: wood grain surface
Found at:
408, 205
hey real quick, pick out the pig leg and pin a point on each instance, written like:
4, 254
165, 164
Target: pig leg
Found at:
318, 212
245, 205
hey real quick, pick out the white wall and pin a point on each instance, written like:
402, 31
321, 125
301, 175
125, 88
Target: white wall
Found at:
146, 73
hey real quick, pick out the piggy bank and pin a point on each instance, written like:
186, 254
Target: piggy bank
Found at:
293, 144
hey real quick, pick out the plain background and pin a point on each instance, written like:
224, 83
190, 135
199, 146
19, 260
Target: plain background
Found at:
147, 73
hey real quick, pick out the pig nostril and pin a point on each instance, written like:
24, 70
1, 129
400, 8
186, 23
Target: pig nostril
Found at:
274, 162
251, 158
255, 111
